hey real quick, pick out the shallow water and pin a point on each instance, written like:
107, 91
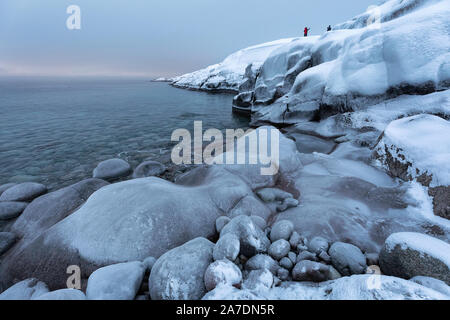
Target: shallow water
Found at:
55, 131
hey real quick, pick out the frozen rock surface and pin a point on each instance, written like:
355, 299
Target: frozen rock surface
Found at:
228, 75
25, 290
112, 169
116, 282
179, 273
357, 287
222, 272
26, 191
62, 294
409, 254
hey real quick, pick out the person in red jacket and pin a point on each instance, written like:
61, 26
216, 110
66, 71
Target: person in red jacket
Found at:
306, 31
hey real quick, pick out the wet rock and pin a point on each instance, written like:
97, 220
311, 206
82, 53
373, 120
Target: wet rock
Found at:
116, 282
149, 263
222, 272
252, 239
10, 210
112, 169
279, 249
347, 258
310, 271
409, 254
262, 261
149, 169
281, 230
7, 240
26, 192
178, 274
227, 247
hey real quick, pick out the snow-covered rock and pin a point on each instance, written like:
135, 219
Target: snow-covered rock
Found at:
432, 283
178, 274
116, 282
228, 75
417, 148
62, 294
222, 272
409, 254
26, 191
356, 65
25, 290
357, 287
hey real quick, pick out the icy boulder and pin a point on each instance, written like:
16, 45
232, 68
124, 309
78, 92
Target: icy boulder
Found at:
418, 148
179, 273
228, 75
408, 254
116, 282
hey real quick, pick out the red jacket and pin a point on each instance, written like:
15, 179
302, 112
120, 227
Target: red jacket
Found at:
306, 31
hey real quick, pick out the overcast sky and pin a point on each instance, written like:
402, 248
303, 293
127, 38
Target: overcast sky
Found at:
151, 37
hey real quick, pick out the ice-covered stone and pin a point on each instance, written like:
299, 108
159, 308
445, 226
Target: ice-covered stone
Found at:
116, 282
409, 254
62, 294
227, 247
222, 272
258, 280
25, 290
262, 261
347, 258
318, 244
178, 274
307, 270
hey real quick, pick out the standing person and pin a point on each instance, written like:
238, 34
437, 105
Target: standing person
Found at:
305, 32
329, 28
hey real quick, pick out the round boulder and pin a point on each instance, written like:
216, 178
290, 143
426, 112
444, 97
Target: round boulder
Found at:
347, 259
149, 169
222, 272
281, 230
307, 270
112, 169
26, 191
408, 254
262, 261
227, 247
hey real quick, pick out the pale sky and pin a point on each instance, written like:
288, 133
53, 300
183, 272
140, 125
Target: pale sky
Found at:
151, 38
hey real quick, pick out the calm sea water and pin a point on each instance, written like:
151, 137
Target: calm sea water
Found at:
55, 131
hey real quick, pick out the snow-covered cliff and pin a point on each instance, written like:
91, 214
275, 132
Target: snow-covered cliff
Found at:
227, 75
